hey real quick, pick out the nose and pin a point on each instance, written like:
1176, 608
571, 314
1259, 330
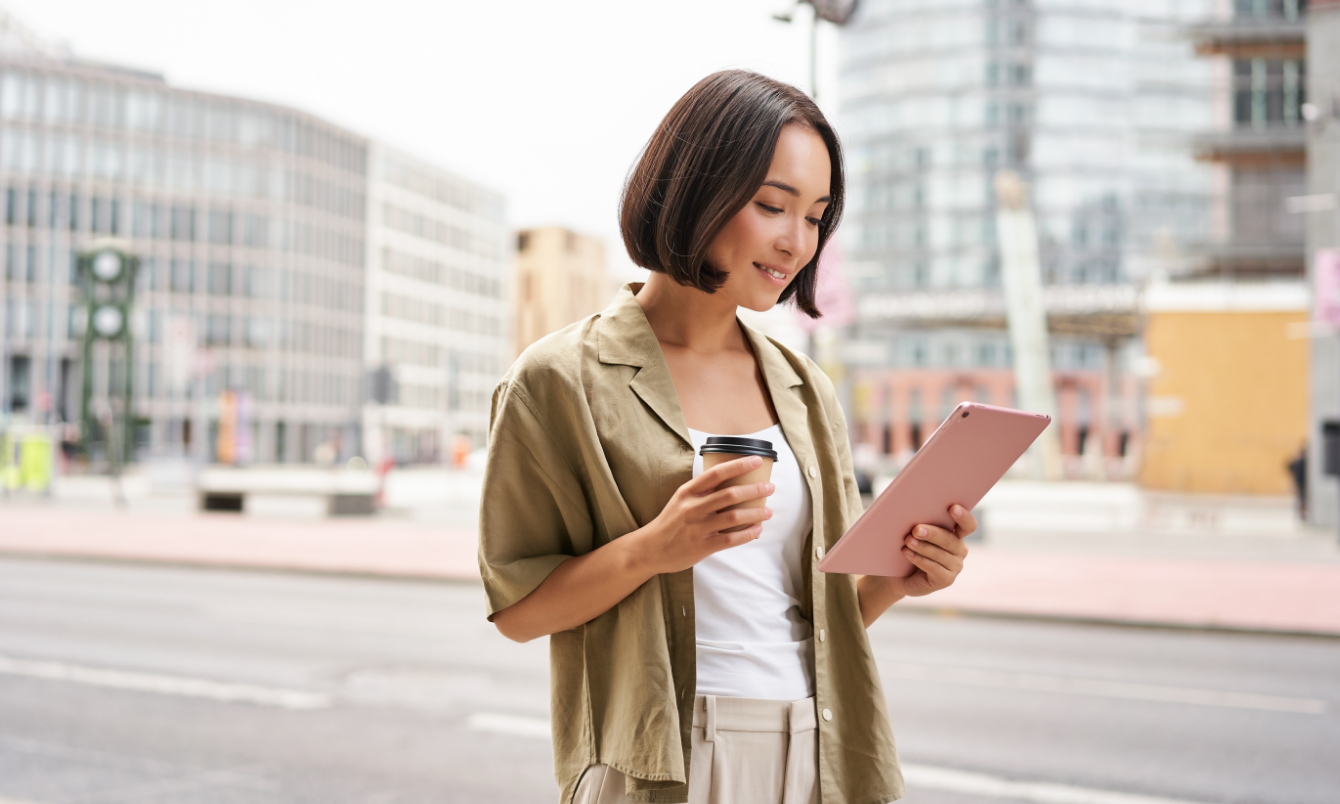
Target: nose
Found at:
792, 239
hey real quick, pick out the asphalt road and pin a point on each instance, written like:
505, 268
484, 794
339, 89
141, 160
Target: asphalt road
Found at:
160, 685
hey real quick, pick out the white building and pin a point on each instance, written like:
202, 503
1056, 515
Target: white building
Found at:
437, 327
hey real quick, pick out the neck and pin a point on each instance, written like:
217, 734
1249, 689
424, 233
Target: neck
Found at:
687, 317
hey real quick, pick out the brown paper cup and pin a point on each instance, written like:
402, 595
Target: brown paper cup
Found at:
760, 475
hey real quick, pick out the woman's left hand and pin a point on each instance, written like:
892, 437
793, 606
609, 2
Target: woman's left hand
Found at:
936, 553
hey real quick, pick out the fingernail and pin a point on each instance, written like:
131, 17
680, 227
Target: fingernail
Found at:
921, 531
755, 461
771, 488
769, 512
958, 510
913, 542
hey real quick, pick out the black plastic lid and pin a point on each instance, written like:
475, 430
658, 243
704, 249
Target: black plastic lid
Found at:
735, 445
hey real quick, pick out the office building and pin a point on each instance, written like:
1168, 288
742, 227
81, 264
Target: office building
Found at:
1093, 105
560, 279
438, 327
259, 229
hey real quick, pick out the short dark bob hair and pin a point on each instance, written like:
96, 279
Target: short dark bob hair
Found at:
706, 160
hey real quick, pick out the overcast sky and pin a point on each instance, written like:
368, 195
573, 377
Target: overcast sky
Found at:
547, 101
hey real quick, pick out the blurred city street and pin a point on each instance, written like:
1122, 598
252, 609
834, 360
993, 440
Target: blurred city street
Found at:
123, 683
1070, 551
254, 313
127, 674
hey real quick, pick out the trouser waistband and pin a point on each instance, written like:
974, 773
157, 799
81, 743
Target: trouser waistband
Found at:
714, 712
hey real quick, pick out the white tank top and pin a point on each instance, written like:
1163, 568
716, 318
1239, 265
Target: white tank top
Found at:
752, 640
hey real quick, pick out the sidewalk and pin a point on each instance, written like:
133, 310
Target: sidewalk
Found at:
1264, 575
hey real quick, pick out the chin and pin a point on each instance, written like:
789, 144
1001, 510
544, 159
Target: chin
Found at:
762, 302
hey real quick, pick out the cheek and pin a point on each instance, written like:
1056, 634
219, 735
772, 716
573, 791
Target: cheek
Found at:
743, 237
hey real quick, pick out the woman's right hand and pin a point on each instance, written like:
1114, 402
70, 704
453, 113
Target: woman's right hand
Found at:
689, 528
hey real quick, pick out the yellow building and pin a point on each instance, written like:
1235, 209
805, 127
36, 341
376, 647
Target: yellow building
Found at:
560, 279
1227, 399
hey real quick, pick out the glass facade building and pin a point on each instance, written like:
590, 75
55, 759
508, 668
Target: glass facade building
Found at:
254, 229
1093, 103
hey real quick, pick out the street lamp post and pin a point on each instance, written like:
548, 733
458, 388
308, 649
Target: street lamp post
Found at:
1328, 122
834, 11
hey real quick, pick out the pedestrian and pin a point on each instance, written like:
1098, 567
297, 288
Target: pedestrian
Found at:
691, 661
1298, 471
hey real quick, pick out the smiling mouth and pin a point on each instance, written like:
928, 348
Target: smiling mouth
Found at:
778, 275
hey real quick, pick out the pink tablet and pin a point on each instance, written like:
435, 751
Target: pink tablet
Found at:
965, 456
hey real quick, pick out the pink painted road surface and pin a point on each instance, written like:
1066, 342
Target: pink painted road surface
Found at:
1256, 595
362, 546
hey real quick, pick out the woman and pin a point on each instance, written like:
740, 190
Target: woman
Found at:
688, 663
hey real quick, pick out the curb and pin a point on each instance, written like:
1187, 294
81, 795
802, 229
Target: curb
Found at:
232, 566
1112, 622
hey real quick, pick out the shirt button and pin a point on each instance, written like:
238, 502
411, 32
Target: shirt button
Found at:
828, 714
814, 471
819, 550
821, 635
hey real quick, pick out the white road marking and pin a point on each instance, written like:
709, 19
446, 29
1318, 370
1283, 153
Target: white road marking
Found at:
922, 776
508, 724
981, 784
1065, 685
164, 684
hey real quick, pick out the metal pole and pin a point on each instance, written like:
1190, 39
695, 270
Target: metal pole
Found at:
814, 55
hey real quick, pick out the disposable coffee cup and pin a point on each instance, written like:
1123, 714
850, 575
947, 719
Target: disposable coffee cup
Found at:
720, 449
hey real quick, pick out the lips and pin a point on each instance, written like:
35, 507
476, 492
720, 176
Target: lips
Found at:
779, 276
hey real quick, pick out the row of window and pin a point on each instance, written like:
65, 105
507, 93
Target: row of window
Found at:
263, 383
441, 232
251, 281
442, 188
417, 353
99, 214
439, 273
180, 168
421, 311
68, 99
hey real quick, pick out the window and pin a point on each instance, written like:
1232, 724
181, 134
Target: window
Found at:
220, 226
219, 276
1268, 92
183, 223
183, 276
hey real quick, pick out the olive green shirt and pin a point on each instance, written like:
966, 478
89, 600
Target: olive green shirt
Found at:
588, 443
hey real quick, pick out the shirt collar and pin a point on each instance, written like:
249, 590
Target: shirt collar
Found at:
626, 338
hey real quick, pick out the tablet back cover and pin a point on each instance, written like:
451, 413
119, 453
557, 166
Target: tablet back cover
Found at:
959, 463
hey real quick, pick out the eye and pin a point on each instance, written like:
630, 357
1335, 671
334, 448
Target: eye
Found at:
768, 209
815, 221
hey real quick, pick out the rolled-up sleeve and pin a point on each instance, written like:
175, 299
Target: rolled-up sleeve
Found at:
532, 512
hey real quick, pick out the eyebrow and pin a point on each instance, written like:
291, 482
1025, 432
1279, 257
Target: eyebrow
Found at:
786, 188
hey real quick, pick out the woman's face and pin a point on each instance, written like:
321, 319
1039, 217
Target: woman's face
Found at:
776, 234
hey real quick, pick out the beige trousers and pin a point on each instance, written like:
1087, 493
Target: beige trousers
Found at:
745, 751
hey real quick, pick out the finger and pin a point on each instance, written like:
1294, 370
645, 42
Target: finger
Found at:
725, 541
732, 495
938, 575
940, 537
720, 473
967, 523
935, 553
739, 516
